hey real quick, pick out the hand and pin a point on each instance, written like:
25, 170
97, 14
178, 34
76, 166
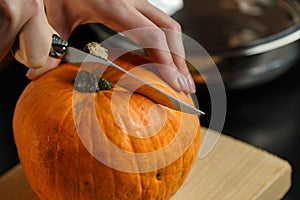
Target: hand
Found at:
120, 15
25, 29
123, 15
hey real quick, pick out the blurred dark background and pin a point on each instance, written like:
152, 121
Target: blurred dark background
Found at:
266, 116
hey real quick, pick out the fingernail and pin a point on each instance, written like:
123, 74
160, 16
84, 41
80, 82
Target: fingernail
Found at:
183, 83
191, 84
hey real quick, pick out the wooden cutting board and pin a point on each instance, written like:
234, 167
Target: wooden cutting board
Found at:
233, 170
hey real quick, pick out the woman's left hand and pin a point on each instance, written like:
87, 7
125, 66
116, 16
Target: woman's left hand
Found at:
123, 15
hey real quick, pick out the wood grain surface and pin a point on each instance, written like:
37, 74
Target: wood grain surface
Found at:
233, 170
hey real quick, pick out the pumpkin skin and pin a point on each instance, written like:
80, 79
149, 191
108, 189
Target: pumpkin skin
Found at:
58, 165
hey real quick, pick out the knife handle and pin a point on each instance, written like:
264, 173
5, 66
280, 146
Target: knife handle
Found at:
59, 47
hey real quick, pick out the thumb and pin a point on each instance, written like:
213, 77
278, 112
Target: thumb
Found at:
35, 73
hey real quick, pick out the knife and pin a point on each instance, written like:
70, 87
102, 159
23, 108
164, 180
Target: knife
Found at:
62, 50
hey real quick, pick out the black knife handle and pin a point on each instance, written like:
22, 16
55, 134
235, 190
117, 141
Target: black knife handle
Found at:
59, 47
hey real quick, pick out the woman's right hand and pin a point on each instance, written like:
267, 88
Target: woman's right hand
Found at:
25, 30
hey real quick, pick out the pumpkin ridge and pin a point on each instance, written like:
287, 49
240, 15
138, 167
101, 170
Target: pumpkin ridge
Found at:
94, 180
107, 94
78, 143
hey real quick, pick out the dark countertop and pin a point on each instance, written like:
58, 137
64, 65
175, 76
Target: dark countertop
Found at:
267, 116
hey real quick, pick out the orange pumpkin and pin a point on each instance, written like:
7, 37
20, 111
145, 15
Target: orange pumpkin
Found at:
142, 151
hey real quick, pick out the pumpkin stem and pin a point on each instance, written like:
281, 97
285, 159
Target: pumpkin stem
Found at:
89, 82
96, 49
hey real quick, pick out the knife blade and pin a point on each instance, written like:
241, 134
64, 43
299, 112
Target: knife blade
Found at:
61, 49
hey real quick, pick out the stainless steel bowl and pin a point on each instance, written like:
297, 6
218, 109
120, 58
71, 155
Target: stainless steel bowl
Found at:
251, 41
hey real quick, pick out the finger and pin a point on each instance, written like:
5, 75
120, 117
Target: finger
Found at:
178, 55
35, 73
35, 39
153, 40
173, 34
171, 28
